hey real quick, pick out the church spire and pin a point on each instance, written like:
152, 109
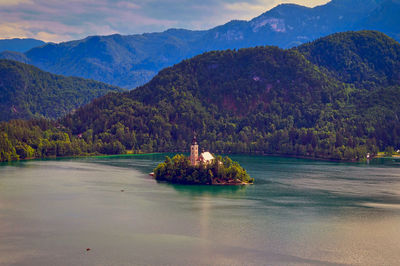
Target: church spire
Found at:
194, 151
194, 141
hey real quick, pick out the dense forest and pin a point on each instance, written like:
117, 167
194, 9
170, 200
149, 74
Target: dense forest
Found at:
367, 59
221, 171
306, 101
40, 138
28, 92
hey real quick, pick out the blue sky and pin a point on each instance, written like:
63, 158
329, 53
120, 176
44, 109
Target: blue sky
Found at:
63, 20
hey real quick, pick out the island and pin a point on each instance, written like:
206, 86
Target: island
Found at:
203, 169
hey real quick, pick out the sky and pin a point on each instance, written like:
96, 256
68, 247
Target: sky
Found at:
64, 20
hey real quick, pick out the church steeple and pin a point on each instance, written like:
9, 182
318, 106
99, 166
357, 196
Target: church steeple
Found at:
194, 141
194, 151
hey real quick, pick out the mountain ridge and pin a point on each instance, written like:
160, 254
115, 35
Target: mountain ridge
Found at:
19, 45
132, 60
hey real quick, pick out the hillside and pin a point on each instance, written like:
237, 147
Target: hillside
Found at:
365, 58
27, 92
19, 45
130, 61
262, 100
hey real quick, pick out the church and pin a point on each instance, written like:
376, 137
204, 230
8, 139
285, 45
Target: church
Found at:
195, 158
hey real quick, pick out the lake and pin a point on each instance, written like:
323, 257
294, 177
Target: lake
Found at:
298, 212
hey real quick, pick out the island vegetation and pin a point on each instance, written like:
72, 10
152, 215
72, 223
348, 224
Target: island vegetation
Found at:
221, 171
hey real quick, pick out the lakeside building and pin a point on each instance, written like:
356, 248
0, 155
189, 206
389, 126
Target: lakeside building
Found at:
205, 157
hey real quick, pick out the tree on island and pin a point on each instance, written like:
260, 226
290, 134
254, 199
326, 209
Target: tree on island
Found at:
220, 171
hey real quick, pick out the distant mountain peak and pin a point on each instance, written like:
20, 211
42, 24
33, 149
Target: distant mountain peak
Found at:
275, 24
19, 44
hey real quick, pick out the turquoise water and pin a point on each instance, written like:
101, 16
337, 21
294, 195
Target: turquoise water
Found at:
299, 212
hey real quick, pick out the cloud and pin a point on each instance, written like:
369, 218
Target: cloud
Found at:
14, 2
60, 20
58, 32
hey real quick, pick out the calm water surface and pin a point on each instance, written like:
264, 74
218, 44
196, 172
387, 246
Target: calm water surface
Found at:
299, 212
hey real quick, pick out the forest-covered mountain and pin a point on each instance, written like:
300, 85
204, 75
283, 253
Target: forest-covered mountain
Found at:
129, 61
367, 59
306, 101
28, 92
19, 45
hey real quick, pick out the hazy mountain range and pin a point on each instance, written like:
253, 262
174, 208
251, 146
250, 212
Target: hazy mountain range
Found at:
129, 61
19, 45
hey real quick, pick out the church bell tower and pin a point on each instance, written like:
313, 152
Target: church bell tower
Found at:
194, 151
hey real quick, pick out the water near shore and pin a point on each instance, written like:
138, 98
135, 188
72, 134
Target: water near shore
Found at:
299, 212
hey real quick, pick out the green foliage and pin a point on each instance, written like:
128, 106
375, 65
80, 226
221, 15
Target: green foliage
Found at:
368, 59
261, 100
27, 92
389, 151
219, 171
7, 150
42, 138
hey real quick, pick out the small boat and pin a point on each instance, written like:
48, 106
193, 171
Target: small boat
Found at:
151, 174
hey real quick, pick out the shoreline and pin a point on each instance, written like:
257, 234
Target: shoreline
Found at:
231, 184
251, 154
386, 157
81, 156
211, 185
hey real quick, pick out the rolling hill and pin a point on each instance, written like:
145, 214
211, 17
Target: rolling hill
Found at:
28, 92
364, 58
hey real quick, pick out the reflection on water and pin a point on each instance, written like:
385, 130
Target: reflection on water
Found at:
195, 191
299, 212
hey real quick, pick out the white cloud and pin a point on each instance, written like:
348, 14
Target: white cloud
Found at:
49, 37
14, 2
27, 30
12, 29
